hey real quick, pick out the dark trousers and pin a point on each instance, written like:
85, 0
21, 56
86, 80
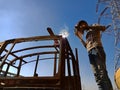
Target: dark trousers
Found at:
97, 59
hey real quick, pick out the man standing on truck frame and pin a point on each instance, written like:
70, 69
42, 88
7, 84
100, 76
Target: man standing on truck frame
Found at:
97, 56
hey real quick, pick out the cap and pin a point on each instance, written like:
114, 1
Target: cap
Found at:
82, 22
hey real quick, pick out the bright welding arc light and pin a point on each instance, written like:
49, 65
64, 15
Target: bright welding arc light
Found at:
64, 33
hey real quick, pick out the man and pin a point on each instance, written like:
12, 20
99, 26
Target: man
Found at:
96, 52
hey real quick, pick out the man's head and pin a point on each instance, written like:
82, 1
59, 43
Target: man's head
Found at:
81, 26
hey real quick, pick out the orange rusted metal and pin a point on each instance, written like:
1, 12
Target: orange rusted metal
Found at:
21, 60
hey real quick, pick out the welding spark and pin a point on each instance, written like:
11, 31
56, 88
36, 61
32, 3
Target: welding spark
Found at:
64, 33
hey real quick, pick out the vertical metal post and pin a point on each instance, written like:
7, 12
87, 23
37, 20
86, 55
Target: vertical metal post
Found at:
77, 61
68, 66
61, 66
78, 73
19, 67
36, 66
7, 70
55, 62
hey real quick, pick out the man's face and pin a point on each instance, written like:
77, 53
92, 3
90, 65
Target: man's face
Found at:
84, 25
79, 27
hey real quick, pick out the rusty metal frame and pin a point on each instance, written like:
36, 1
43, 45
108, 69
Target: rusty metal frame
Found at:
64, 61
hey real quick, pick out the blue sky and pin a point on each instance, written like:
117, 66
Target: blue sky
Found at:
24, 18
